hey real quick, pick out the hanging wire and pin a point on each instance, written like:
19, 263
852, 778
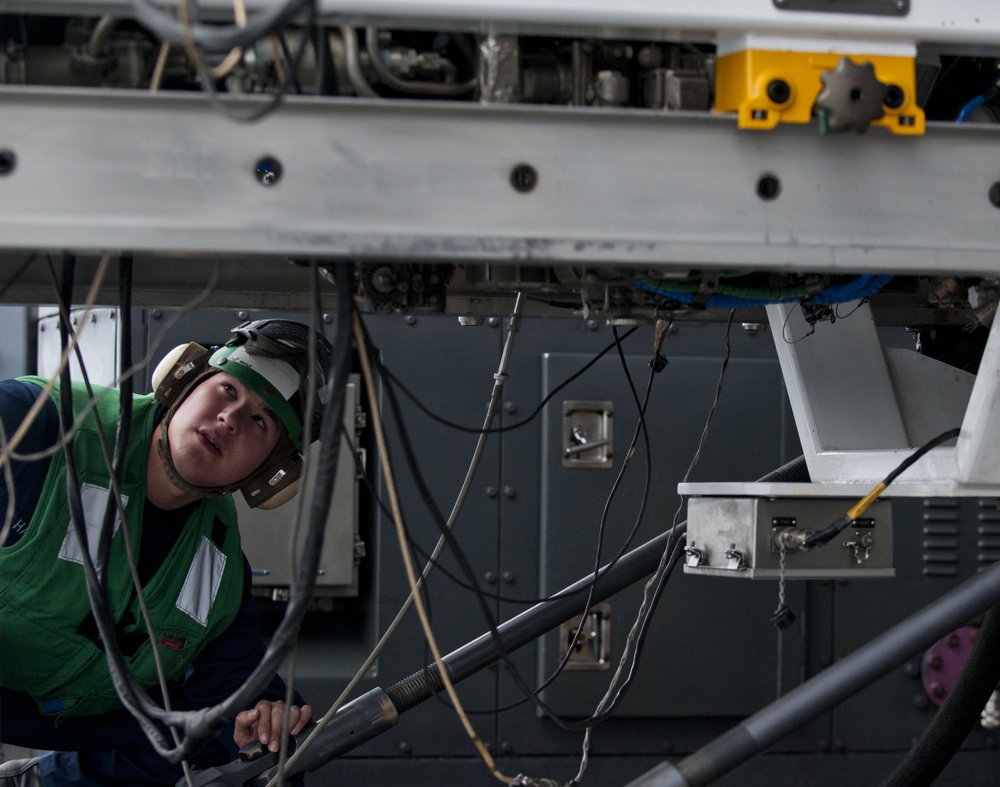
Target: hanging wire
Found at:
500, 378
114, 506
418, 604
826, 534
517, 424
201, 724
36, 408
217, 39
654, 586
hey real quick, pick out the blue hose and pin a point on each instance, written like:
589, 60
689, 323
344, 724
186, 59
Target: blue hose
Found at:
853, 290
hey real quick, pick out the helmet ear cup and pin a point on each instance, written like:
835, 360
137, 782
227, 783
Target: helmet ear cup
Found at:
277, 481
282, 497
175, 372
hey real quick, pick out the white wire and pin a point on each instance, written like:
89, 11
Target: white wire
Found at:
664, 560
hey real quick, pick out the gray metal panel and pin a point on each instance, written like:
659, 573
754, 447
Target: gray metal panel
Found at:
690, 667
359, 179
268, 535
450, 368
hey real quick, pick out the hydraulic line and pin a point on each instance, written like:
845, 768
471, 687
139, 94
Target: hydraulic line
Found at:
830, 687
371, 714
959, 713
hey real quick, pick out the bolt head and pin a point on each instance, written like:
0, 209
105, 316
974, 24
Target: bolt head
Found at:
779, 91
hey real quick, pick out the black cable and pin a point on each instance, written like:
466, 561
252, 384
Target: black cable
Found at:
499, 429
124, 424
202, 724
959, 713
588, 603
449, 537
217, 39
122, 679
823, 536
287, 55
12, 279
460, 556
210, 90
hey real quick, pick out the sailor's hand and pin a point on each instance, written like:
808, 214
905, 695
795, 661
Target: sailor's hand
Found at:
263, 723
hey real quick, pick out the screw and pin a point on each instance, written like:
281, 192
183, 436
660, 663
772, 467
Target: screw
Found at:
921, 701
490, 577
508, 577
156, 314
524, 178
937, 690
953, 641
327, 318
491, 491
8, 160
405, 747
768, 187
493, 322
995, 200
509, 491
779, 91
411, 320
506, 748
242, 315
268, 171
934, 662
592, 325
895, 98
911, 669
509, 407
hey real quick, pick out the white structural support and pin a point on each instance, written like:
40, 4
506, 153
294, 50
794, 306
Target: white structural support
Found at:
860, 410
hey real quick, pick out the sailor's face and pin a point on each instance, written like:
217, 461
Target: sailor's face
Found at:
221, 432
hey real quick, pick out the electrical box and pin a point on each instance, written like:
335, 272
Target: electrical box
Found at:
98, 343
740, 537
269, 536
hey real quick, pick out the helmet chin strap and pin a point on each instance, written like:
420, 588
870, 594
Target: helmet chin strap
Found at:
163, 449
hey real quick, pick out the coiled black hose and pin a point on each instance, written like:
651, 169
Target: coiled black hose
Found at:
959, 713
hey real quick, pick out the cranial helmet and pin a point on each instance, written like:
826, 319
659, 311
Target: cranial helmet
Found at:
271, 357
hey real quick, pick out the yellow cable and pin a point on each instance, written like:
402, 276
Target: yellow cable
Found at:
867, 500
407, 560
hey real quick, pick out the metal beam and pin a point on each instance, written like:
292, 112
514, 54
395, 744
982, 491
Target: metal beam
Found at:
965, 22
401, 180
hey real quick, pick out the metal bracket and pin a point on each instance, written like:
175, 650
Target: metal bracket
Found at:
592, 650
588, 433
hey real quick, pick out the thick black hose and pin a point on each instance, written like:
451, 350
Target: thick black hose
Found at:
959, 713
793, 472
548, 614
830, 687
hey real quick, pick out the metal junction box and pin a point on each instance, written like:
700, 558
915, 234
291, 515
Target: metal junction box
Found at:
740, 537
